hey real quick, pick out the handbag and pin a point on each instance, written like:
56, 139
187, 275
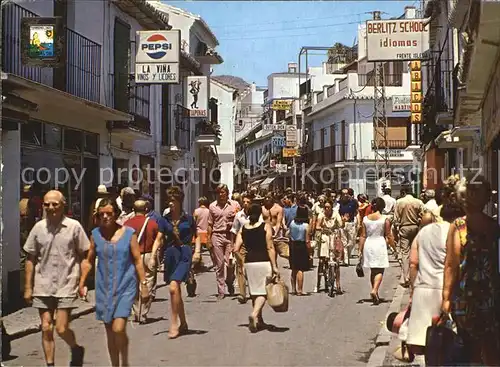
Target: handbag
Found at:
359, 270
444, 346
277, 294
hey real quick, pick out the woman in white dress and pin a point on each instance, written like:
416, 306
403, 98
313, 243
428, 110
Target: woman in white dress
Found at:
375, 235
427, 259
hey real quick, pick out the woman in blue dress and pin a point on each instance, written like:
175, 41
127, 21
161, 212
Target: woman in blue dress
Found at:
118, 268
179, 232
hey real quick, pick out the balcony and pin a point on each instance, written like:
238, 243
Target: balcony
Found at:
126, 96
327, 155
391, 80
392, 144
80, 77
207, 133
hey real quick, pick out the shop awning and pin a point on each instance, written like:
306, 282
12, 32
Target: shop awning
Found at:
267, 182
465, 132
445, 140
256, 183
263, 158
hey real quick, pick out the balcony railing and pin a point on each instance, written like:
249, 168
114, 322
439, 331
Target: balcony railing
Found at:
182, 128
126, 96
207, 128
391, 80
343, 84
392, 144
321, 96
330, 91
327, 155
83, 57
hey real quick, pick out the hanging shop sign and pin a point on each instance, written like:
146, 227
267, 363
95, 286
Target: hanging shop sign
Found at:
397, 39
290, 152
278, 141
282, 105
157, 57
281, 168
401, 103
291, 136
197, 96
416, 91
274, 127
43, 42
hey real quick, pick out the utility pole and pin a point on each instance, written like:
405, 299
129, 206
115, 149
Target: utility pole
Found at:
294, 123
380, 117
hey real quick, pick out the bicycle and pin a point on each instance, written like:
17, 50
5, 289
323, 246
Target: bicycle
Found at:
333, 267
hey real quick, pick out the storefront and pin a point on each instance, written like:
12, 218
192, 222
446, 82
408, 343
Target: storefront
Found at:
58, 157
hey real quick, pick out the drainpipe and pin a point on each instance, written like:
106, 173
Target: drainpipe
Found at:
355, 129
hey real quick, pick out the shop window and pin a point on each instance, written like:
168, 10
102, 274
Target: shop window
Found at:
31, 133
91, 143
52, 136
73, 139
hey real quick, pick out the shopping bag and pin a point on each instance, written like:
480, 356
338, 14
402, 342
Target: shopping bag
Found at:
277, 294
443, 346
359, 270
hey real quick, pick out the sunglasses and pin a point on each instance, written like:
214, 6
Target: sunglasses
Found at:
48, 205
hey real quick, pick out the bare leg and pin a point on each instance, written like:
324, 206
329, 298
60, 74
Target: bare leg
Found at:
63, 329
300, 281
377, 281
175, 305
114, 355
259, 303
119, 328
337, 279
48, 344
293, 281
182, 313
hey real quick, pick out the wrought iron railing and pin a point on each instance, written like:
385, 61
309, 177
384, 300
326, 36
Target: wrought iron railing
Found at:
390, 80
207, 128
330, 91
83, 57
343, 84
182, 128
83, 67
126, 96
327, 155
320, 96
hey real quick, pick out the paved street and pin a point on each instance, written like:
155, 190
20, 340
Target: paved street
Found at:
317, 331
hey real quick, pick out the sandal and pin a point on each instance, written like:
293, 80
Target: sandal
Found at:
252, 324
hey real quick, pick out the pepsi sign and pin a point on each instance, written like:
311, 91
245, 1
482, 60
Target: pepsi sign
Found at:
158, 46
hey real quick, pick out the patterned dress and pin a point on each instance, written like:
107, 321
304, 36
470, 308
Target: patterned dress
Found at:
116, 277
476, 294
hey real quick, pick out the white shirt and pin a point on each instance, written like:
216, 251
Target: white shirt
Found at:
390, 203
431, 205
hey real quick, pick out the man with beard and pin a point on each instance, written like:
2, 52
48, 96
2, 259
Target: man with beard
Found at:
348, 210
272, 213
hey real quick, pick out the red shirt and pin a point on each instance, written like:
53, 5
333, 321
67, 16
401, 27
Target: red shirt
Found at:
149, 235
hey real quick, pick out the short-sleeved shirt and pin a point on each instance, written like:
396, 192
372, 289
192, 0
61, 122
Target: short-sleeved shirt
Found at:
159, 220
150, 232
201, 214
58, 251
290, 213
221, 218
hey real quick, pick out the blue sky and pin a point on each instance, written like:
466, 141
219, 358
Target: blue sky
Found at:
258, 38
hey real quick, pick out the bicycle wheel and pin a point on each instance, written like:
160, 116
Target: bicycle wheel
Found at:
331, 280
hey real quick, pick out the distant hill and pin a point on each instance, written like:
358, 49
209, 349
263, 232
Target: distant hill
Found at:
233, 81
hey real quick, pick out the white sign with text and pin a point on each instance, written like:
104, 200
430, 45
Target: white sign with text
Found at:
157, 73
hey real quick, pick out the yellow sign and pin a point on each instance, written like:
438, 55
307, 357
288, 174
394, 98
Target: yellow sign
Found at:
416, 118
282, 105
289, 152
416, 92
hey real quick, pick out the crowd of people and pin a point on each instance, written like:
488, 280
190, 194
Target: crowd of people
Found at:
445, 245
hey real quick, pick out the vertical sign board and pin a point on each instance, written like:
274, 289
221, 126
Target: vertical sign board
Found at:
43, 42
416, 92
157, 57
197, 96
291, 136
